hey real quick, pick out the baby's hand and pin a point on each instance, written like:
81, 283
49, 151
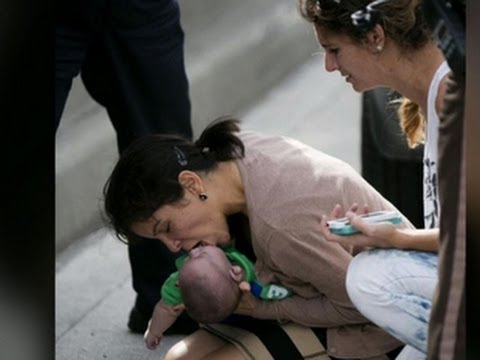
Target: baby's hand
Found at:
151, 340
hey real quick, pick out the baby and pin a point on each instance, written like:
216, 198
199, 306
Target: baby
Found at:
206, 286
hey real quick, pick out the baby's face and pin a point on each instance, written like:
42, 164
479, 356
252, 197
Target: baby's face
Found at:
210, 256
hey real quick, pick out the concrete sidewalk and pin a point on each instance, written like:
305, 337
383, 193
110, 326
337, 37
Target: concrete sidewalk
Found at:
93, 282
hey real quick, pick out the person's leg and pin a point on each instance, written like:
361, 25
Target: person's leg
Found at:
410, 353
135, 68
226, 352
71, 43
394, 289
203, 345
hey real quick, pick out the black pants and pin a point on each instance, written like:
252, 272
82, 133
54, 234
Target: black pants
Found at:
130, 56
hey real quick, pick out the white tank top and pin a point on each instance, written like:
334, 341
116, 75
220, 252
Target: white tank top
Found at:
431, 202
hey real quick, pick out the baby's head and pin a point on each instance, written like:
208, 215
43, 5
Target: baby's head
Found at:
208, 289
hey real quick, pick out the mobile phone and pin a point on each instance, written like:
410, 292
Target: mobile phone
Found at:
342, 226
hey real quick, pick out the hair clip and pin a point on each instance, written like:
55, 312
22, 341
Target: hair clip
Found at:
369, 16
206, 149
181, 158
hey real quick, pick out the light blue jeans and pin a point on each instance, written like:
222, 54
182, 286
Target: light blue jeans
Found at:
394, 289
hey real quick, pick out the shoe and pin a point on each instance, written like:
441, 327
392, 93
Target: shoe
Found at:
138, 323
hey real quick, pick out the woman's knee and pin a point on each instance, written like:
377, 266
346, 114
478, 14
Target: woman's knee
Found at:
366, 278
195, 346
358, 281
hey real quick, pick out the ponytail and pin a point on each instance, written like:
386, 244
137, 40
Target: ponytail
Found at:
219, 139
412, 122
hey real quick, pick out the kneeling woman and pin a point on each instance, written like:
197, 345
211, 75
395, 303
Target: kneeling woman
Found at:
195, 194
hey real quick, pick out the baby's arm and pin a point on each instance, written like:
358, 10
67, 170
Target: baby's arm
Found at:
163, 317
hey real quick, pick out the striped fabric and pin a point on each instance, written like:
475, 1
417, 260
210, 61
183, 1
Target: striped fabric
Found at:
270, 341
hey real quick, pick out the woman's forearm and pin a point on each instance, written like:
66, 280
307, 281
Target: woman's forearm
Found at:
417, 239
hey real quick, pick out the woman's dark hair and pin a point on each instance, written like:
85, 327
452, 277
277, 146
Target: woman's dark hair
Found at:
146, 175
402, 20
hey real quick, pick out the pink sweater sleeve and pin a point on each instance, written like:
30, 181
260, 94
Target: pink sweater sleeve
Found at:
316, 263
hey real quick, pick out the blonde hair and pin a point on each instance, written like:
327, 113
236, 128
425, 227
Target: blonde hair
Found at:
412, 122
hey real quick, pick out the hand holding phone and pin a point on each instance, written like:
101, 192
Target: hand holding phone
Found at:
342, 226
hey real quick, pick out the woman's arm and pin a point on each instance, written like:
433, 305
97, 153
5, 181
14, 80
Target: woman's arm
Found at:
315, 270
383, 235
417, 239
315, 312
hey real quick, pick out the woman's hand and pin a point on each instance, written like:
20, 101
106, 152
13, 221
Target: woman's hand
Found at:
246, 306
247, 300
380, 235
